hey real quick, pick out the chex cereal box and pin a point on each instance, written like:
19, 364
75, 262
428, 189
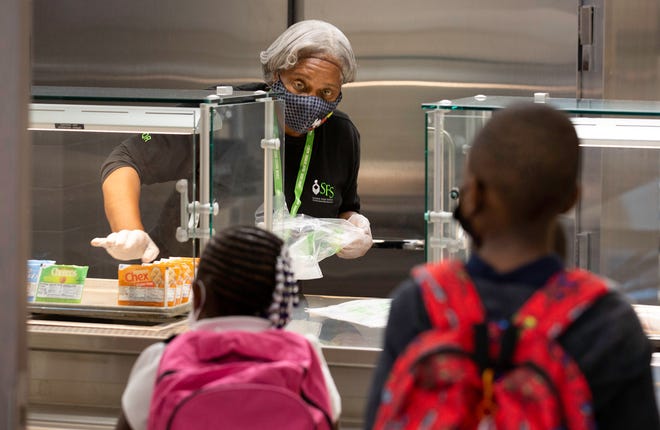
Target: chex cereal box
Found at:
141, 285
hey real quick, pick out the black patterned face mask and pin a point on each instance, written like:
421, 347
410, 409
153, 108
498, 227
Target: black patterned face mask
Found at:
466, 225
304, 113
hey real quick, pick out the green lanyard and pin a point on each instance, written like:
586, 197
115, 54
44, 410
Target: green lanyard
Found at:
302, 173
277, 173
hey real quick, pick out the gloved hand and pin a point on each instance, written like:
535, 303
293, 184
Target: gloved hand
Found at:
128, 245
360, 246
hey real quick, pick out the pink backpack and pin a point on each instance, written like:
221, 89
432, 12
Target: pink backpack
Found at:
240, 380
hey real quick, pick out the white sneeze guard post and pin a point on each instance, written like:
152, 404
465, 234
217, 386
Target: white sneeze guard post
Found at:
204, 170
269, 143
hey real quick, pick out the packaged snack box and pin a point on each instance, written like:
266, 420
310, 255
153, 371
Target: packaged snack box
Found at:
187, 267
33, 272
61, 283
141, 285
173, 284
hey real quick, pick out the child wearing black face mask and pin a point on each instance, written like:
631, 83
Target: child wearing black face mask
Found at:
522, 172
466, 225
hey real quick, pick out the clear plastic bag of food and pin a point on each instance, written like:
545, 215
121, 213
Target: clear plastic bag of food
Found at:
311, 240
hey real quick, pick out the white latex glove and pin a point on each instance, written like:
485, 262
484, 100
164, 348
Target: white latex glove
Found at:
128, 245
361, 245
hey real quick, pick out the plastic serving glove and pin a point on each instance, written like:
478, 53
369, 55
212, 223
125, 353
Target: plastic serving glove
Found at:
359, 246
128, 245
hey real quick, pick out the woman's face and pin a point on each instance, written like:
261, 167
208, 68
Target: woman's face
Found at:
313, 77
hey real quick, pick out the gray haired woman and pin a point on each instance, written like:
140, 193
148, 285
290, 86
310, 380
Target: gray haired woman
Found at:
307, 65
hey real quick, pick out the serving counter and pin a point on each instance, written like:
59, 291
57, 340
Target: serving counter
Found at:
78, 367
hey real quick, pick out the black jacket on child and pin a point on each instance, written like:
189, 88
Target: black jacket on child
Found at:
607, 341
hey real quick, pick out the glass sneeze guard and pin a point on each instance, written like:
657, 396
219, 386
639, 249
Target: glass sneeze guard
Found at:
577, 106
74, 130
614, 230
242, 140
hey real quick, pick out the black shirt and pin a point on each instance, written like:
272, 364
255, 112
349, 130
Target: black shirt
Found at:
334, 166
607, 341
331, 182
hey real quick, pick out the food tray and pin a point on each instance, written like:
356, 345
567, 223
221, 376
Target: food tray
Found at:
99, 301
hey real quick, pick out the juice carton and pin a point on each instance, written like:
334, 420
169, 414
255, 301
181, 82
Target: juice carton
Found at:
33, 272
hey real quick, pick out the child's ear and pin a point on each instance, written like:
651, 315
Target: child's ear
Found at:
471, 197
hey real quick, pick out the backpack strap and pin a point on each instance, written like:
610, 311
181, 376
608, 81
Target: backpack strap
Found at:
453, 303
170, 339
553, 308
449, 296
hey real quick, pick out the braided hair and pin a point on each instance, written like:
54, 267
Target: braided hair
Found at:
246, 271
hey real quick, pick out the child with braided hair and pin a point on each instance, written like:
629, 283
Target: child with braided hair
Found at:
244, 294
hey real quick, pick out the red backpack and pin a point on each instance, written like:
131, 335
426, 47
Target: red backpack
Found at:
469, 373
240, 380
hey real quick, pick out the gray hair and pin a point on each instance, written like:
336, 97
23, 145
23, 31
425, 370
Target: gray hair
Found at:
305, 39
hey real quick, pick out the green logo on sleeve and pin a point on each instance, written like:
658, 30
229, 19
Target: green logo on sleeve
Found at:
146, 137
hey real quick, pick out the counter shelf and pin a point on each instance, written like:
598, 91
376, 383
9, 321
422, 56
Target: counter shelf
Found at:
99, 301
141, 96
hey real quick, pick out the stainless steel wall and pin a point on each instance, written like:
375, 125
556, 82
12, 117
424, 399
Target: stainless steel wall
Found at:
626, 51
631, 50
408, 52
152, 43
